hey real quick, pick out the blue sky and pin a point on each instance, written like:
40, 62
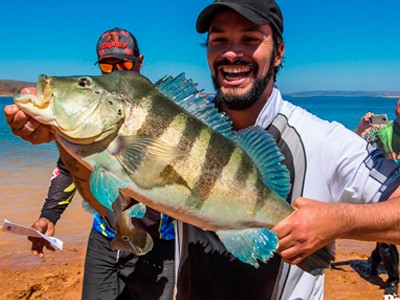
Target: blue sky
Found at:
343, 44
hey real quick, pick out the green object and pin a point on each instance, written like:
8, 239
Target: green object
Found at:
385, 135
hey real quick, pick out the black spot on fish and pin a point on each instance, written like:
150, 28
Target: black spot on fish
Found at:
169, 176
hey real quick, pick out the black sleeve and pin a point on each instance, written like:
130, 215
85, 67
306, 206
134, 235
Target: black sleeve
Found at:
60, 194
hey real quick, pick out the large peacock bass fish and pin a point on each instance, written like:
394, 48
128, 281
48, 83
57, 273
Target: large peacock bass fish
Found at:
167, 147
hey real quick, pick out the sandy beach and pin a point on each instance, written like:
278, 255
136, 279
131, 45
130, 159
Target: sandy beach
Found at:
59, 275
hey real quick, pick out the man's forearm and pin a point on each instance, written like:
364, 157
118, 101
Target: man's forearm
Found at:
373, 222
60, 194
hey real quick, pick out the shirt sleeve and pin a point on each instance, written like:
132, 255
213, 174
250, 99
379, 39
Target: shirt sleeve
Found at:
358, 171
60, 193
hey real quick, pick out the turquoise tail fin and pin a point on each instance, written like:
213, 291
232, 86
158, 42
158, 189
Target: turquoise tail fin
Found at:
250, 245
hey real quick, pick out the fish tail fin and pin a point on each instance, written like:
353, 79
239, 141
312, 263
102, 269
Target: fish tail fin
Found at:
250, 245
318, 262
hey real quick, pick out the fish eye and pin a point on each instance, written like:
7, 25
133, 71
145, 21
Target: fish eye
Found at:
84, 82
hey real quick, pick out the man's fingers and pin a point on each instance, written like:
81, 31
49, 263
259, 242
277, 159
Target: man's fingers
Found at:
292, 254
15, 117
34, 132
50, 247
42, 134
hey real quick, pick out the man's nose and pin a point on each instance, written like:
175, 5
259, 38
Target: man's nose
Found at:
233, 52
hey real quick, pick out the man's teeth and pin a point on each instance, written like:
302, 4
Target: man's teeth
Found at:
232, 73
235, 70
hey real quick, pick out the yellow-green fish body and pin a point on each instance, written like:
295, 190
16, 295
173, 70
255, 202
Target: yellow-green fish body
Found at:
171, 151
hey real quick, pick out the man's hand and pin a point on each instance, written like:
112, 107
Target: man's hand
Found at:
364, 125
46, 227
310, 227
26, 127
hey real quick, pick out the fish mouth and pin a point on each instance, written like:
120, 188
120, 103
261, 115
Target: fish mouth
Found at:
44, 90
37, 106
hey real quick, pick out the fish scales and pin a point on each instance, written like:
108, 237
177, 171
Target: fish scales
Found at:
176, 154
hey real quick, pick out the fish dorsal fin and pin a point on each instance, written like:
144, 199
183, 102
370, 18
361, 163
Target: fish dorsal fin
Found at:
184, 92
262, 148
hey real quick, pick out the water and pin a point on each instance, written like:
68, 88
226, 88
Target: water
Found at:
26, 169
25, 173
346, 110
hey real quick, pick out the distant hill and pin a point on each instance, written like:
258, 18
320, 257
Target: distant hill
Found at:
337, 93
10, 87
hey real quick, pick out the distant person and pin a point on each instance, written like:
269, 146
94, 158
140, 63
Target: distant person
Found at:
109, 274
387, 137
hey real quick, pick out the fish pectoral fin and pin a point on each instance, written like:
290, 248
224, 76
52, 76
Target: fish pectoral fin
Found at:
137, 211
105, 186
251, 244
145, 157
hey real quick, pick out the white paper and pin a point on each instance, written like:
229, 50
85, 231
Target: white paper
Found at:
28, 231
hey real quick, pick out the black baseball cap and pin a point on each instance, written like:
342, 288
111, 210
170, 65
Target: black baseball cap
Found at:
257, 11
117, 43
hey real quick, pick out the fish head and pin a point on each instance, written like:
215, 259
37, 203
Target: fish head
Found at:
82, 109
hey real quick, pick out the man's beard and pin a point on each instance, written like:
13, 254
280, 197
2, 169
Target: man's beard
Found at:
241, 102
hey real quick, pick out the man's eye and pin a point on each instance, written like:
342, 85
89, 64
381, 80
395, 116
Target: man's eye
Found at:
251, 40
218, 41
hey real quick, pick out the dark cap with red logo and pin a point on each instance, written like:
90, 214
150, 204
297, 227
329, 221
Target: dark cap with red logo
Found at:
117, 43
257, 11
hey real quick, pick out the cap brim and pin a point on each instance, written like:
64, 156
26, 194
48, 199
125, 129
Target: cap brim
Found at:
117, 56
206, 16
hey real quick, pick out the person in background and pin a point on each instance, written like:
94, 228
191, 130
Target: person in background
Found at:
387, 137
109, 274
326, 162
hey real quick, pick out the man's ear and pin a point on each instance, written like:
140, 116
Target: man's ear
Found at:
140, 62
279, 54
